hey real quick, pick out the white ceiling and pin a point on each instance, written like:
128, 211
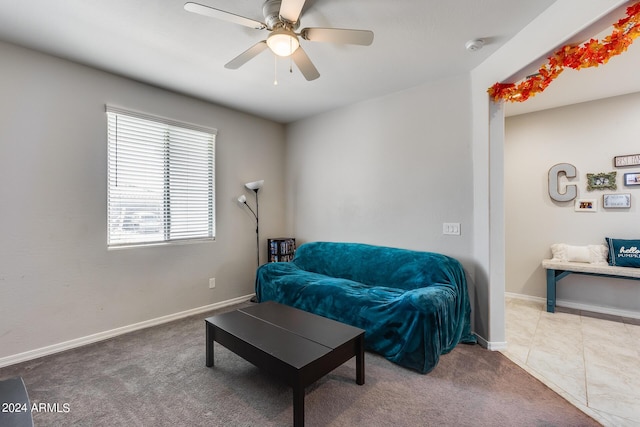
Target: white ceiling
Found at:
158, 42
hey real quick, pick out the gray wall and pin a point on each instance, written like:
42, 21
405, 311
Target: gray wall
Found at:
58, 281
387, 171
588, 136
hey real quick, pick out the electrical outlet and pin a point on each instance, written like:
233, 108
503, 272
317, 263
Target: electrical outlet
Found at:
212, 283
452, 228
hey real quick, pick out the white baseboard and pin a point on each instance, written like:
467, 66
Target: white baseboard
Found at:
578, 306
491, 345
525, 297
497, 345
101, 336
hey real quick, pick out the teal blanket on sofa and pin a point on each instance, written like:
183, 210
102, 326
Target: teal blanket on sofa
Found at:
414, 306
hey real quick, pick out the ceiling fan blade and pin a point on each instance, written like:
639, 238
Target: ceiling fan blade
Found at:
247, 55
338, 35
291, 9
225, 16
305, 65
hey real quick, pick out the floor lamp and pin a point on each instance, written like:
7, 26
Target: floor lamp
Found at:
255, 186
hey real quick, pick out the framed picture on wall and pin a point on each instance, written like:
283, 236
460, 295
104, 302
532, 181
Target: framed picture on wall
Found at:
624, 161
631, 179
601, 181
616, 201
586, 205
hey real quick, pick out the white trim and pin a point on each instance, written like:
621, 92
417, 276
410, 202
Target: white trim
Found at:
598, 309
578, 306
497, 345
491, 345
101, 336
525, 297
161, 119
481, 341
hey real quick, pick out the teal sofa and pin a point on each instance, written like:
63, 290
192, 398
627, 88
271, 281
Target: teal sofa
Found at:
414, 306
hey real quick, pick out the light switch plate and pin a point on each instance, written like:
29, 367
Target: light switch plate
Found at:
451, 228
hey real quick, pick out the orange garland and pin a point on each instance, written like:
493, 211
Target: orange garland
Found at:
589, 54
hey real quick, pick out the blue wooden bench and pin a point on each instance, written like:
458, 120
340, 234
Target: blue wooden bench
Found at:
557, 270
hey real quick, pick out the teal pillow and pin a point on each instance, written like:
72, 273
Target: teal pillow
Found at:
624, 253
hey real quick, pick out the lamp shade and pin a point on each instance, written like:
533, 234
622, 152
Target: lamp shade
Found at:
255, 185
283, 42
242, 199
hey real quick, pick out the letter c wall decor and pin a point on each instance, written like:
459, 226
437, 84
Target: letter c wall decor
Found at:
571, 191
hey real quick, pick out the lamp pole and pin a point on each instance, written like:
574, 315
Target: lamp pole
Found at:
255, 187
257, 231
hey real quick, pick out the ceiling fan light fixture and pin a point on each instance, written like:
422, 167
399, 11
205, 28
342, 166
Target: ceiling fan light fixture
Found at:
283, 42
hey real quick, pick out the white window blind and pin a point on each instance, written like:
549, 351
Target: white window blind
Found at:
161, 180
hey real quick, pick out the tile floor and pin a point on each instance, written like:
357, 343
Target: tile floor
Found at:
592, 362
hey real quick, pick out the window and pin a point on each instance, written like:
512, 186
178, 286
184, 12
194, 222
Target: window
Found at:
160, 180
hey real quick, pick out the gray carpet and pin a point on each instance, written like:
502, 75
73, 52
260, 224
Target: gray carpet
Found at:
157, 377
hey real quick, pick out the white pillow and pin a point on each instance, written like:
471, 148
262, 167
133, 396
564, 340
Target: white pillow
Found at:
578, 253
559, 252
598, 254
593, 254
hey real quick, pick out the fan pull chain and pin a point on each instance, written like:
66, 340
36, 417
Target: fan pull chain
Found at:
275, 70
290, 59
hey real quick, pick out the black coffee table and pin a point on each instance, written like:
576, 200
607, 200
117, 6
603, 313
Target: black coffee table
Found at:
294, 345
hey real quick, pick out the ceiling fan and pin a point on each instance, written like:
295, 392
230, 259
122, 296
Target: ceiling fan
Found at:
282, 19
